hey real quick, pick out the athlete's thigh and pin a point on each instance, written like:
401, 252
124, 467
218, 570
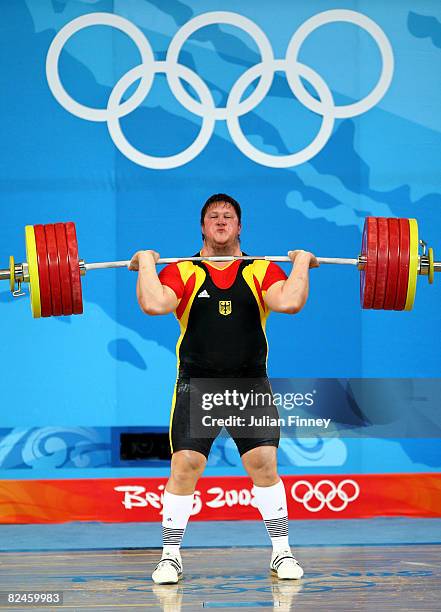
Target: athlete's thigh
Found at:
185, 430
260, 418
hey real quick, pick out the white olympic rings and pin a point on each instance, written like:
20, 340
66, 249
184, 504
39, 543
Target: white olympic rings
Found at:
150, 161
326, 498
205, 106
71, 28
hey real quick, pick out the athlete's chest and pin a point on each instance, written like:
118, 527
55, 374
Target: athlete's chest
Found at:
223, 296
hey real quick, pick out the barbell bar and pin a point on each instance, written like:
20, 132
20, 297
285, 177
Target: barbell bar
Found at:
389, 264
167, 260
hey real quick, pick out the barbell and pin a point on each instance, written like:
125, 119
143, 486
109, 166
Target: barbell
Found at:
389, 264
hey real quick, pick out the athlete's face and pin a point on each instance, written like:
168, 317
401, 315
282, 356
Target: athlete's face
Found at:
221, 224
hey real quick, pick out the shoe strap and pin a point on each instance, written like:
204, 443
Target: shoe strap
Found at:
174, 562
278, 560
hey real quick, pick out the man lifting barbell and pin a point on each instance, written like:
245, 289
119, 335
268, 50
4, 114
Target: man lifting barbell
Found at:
389, 263
222, 309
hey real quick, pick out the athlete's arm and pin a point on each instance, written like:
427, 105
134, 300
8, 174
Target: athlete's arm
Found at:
153, 297
290, 295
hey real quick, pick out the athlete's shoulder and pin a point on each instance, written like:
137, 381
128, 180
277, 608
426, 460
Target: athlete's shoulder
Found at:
176, 276
273, 274
171, 276
184, 269
267, 273
187, 268
260, 267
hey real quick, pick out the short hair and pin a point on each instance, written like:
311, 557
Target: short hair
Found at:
221, 197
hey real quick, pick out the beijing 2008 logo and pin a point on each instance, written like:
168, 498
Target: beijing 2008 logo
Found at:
235, 107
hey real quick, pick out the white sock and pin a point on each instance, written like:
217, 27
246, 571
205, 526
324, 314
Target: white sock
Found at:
271, 503
176, 510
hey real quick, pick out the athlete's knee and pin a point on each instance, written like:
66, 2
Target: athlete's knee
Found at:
261, 465
187, 466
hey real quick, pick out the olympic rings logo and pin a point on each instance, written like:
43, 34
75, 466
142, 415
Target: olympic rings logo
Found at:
326, 491
236, 106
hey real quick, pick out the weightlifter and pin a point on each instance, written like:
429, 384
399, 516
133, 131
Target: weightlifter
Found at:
222, 309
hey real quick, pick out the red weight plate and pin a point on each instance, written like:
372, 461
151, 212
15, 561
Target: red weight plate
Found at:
382, 262
63, 262
394, 261
43, 271
369, 250
362, 272
74, 266
54, 274
403, 274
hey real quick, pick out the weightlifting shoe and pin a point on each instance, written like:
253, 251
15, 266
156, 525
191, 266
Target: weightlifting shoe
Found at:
168, 570
284, 566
